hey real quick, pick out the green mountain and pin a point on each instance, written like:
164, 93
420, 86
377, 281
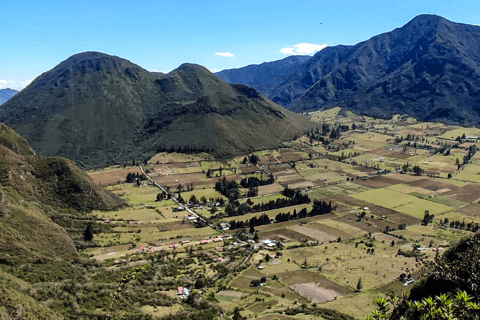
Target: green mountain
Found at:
39, 199
98, 109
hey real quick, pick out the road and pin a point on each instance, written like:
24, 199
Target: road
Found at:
190, 211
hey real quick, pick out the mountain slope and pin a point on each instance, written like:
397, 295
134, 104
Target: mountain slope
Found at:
32, 190
6, 94
97, 109
429, 68
265, 76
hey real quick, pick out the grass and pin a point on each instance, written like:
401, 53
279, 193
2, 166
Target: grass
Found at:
470, 173
385, 198
418, 207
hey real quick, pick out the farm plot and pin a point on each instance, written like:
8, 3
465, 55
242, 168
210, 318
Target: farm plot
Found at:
314, 234
418, 207
350, 230
385, 198
472, 209
112, 176
470, 173
130, 214
314, 292
468, 193
284, 233
408, 189
378, 182
135, 195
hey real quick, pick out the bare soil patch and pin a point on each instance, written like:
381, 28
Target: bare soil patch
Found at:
377, 182
305, 276
314, 292
294, 181
116, 248
287, 233
351, 219
350, 201
300, 185
430, 184
471, 209
387, 238
174, 226
113, 177
466, 193
330, 230
269, 189
315, 234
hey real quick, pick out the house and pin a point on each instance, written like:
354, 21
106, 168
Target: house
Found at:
217, 239
220, 259
142, 248
219, 249
179, 290
204, 242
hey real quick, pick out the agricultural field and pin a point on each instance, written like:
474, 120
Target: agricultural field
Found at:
392, 192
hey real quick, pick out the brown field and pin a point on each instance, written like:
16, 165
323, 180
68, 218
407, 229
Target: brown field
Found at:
294, 181
116, 248
350, 201
315, 234
472, 209
387, 238
300, 185
466, 193
351, 220
287, 233
430, 184
399, 218
112, 177
306, 276
314, 292
330, 230
378, 182
174, 226
269, 189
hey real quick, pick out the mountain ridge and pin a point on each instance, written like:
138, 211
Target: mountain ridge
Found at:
98, 109
429, 68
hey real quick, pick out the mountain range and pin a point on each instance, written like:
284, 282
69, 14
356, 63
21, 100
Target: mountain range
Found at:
428, 68
98, 109
264, 76
6, 94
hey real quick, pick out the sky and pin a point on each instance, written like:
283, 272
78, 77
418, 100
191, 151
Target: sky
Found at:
160, 35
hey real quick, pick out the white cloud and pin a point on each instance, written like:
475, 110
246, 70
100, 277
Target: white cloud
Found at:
303, 48
288, 51
224, 54
12, 84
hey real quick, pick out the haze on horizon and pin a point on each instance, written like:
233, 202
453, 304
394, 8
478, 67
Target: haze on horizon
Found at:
160, 36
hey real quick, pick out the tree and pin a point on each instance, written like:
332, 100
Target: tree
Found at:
88, 233
237, 315
193, 199
359, 284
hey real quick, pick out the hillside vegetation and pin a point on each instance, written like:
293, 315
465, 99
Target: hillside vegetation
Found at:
96, 109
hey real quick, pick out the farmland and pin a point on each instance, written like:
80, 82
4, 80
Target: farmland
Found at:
392, 191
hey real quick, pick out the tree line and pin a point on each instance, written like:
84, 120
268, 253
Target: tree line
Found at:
319, 207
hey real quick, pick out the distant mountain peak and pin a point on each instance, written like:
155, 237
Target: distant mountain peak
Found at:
429, 68
99, 109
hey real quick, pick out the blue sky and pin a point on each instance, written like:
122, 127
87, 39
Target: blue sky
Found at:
161, 35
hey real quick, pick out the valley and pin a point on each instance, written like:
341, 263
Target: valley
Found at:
384, 196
